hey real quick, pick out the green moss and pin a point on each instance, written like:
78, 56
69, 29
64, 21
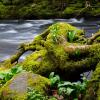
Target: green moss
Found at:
32, 62
38, 62
95, 51
14, 90
52, 55
97, 40
96, 74
6, 93
93, 91
39, 83
6, 64
95, 12
62, 29
69, 10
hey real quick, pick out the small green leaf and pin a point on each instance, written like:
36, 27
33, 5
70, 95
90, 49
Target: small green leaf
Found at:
8, 76
65, 84
69, 91
62, 90
51, 75
2, 75
71, 35
14, 70
55, 80
20, 69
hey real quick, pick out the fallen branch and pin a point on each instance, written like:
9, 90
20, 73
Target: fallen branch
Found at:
91, 39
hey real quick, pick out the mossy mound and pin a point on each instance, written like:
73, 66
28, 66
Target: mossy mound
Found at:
93, 92
17, 87
51, 56
63, 49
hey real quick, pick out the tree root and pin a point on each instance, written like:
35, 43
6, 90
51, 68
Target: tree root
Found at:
92, 39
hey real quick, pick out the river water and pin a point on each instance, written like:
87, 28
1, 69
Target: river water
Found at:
15, 32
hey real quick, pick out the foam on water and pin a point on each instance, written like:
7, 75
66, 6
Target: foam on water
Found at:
10, 31
71, 20
25, 25
3, 25
13, 33
74, 20
14, 41
25, 37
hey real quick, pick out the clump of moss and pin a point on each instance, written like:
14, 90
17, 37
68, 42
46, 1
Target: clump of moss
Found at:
17, 87
38, 62
69, 10
52, 54
61, 29
93, 91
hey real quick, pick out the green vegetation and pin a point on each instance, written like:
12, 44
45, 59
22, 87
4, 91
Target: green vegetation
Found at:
65, 89
67, 58
42, 60
25, 86
68, 89
71, 35
8, 74
54, 79
30, 9
35, 95
54, 31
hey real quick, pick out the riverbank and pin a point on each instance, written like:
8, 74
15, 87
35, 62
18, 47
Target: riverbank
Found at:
45, 9
61, 48
15, 32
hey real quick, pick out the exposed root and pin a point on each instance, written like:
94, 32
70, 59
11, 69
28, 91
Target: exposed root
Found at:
92, 39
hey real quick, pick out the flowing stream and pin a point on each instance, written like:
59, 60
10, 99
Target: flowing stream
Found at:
15, 32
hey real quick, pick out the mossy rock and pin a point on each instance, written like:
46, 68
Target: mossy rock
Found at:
38, 62
93, 91
17, 87
52, 56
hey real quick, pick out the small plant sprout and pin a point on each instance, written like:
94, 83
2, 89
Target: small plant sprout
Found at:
54, 79
54, 31
77, 53
71, 35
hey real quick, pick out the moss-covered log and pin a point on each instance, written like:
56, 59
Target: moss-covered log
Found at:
62, 48
53, 48
93, 38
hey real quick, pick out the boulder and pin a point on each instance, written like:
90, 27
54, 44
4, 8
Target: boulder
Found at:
17, 87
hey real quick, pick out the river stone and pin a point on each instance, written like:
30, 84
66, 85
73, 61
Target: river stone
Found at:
16, 88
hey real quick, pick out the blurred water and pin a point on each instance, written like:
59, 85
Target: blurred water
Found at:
15, 32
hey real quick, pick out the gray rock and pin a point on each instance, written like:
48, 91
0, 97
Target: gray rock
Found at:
16, 88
